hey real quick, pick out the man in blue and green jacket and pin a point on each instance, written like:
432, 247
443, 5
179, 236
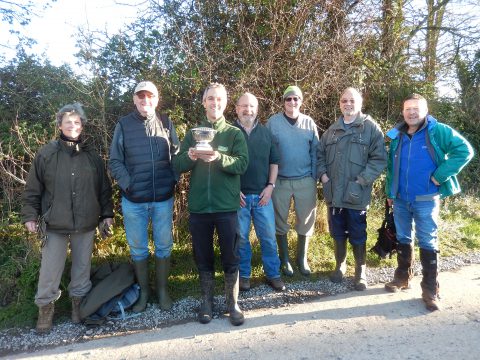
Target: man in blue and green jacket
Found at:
424, 159
213, 201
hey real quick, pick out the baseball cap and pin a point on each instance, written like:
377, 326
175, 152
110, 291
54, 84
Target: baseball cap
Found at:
146, 86
292, 90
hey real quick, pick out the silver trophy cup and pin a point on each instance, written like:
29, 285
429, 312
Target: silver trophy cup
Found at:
203, 135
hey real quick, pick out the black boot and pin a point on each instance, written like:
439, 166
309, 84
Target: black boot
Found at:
231, 299
404, 271
282, 242
162, 269
360, 255
207, 288
341, 261
302, 250
429, 284
141, 273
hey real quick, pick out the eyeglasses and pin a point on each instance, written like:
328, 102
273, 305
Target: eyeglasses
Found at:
144, 95
345, 101
296, 99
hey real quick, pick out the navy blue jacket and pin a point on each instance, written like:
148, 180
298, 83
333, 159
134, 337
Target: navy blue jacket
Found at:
141, 163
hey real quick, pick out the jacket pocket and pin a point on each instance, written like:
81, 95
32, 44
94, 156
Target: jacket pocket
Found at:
327, 191
353, 193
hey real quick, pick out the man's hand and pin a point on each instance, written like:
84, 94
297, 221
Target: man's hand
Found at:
31, 226
435, 181
191, 154
105, 228
265, 195
324, 179
242, 200
390, 202
208, 157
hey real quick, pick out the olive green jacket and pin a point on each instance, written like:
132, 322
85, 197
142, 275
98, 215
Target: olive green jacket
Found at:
352, 157
67, 187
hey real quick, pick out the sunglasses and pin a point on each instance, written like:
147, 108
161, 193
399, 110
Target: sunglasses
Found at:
292, 99
143, 96
345, 101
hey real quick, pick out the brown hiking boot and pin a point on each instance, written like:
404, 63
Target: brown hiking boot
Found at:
431, 301
45, 318
404, 271
429, 284
76, 301
401, 281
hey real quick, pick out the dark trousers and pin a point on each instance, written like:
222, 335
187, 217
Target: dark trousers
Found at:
348, 223
202, 227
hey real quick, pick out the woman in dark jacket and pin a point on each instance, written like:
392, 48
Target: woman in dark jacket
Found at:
67, 195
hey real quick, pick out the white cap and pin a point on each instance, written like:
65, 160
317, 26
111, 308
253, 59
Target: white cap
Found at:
146, 86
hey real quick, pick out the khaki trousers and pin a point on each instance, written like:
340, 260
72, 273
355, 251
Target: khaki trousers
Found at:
54, 255
304, 195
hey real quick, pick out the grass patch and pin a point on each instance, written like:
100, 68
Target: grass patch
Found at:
459, 232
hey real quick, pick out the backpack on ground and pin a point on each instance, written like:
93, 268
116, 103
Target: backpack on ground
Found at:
112, 289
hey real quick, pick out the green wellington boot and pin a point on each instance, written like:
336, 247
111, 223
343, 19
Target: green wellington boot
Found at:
162, 269
141, 273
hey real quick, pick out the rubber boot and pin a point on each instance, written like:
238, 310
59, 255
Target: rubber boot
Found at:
231, 299
141, 273
360, 256
162, 269
282, 242
340, 247
45, 318
76, 301
302, 250
207, 288
429, 284
404, 271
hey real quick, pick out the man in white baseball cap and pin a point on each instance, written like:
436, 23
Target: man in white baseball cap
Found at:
140, 160
147, 86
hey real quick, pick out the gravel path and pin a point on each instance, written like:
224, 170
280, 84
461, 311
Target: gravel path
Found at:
260, 297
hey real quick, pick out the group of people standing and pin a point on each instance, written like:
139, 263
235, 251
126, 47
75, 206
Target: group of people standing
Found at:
252, 175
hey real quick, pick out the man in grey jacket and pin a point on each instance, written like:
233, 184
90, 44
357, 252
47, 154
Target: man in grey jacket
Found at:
351, 155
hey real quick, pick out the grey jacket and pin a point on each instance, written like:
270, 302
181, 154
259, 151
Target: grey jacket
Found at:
352, 158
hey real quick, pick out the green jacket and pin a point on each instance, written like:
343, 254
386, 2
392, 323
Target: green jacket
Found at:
450, 151
352, 158
68, 187
215, 186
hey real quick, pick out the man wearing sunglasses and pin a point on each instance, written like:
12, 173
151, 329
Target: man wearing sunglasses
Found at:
351, 156
140, 160
296, 137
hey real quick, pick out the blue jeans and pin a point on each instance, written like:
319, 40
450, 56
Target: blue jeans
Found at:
264, 224
346, 223
136, 217
425, 214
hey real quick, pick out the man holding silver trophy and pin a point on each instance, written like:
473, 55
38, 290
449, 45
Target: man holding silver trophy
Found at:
214, 198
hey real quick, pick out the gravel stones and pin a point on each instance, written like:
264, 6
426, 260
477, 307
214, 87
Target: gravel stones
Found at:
184, 310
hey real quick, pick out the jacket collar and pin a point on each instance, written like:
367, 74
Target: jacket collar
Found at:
359, 120
431, 122
217, 125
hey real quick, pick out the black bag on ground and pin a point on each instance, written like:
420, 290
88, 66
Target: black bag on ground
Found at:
387, 235
109, 281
